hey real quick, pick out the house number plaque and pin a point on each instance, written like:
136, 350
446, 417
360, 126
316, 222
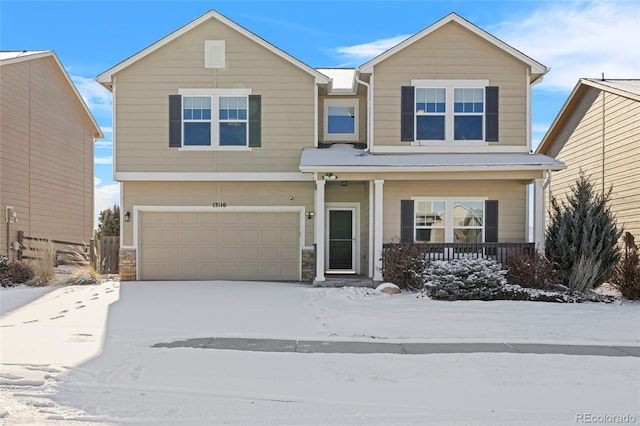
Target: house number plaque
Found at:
219, 205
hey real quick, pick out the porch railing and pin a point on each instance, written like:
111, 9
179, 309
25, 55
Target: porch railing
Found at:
447, 251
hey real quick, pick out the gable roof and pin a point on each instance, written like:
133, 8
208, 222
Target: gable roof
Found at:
15, 56
343, 80
537, 69
106, 77
627, 88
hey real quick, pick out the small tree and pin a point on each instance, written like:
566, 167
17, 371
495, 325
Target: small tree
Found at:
583, 232
108, 223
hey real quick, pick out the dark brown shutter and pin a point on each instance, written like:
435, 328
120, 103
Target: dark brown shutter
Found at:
407, 217
255, 121
491, 221
175, 121
491, 114
407, 107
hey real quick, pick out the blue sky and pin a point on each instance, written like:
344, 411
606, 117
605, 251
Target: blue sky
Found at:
574, 38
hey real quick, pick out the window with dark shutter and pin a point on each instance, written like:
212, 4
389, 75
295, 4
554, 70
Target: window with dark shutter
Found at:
407, 106
255, 121
407, 218
175, 121
491, 221
491, 114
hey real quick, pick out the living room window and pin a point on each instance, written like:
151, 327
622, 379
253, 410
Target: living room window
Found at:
449, 220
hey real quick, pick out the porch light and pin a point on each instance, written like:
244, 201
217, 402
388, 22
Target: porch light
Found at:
310, 215
127, 217
330, 176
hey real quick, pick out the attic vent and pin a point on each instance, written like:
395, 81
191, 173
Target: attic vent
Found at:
214, 54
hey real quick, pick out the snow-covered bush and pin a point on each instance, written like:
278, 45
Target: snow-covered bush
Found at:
404, 265
464, 278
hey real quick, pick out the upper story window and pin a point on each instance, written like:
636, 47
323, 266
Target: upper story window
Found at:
215, 119
449, 111
341, 119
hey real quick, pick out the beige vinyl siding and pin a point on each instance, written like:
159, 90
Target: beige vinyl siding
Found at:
451, 53
206, 193
142, 91
511, 196
46, 153
602, 137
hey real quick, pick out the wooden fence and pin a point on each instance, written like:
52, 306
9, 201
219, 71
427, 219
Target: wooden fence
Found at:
102, 255
105, 255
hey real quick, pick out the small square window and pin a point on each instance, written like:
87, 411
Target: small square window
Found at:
341, 119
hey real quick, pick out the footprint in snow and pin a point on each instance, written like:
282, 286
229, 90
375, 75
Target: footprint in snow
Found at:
80, 307
95, 298
30, 321
63, 312
78, 302
56, 317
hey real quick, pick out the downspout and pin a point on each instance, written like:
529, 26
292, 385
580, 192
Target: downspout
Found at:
547, 180
365, 84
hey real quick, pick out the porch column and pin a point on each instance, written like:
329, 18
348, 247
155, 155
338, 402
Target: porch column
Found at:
377, 230
319, 231
539, 208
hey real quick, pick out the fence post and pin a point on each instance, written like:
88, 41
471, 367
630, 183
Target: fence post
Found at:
20, 240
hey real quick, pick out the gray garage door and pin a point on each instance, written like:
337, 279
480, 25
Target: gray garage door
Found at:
219, 245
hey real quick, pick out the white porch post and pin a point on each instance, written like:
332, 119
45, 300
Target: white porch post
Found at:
538, 214
377, 231
319, 231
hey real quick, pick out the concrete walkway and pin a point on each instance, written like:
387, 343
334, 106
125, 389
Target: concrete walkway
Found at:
313, 346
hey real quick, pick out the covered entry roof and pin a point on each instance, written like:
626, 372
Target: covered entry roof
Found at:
345, 157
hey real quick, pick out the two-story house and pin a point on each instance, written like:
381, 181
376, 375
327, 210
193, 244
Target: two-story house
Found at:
237, 161
47, 136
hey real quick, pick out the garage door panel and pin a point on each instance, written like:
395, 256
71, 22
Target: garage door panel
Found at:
219, 245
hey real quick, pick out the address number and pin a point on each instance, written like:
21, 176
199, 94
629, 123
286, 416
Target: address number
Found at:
219, 205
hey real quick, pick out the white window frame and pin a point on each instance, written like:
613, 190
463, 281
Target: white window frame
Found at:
449, 210
215, 95
355, 104
449, 86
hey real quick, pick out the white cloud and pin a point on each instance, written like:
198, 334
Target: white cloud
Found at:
366, 51
103, 160
106, 130
104, 197
578, 39
96, 181
95, 96
102, 144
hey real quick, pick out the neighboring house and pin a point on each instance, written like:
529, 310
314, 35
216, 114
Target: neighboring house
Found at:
598, 131
238, 161
47, 135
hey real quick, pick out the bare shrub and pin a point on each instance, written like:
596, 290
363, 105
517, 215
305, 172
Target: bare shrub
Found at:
532, 270
404, 265
43, 264
626, 277
15, 272
84, 276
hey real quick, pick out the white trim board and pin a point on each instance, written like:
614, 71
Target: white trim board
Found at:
450, 147
213, 177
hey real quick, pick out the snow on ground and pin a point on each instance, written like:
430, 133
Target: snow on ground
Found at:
62, 362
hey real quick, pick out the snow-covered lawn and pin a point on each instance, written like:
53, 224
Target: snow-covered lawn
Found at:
84, 354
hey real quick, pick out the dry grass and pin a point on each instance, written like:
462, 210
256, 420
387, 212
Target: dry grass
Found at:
43, 264
83, 276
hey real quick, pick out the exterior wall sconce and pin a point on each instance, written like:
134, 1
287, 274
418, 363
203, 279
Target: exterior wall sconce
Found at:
343, 183
330, 176
310, 215
127, 217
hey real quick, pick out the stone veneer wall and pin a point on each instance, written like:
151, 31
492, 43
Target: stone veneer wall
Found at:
127, 264
308, 264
